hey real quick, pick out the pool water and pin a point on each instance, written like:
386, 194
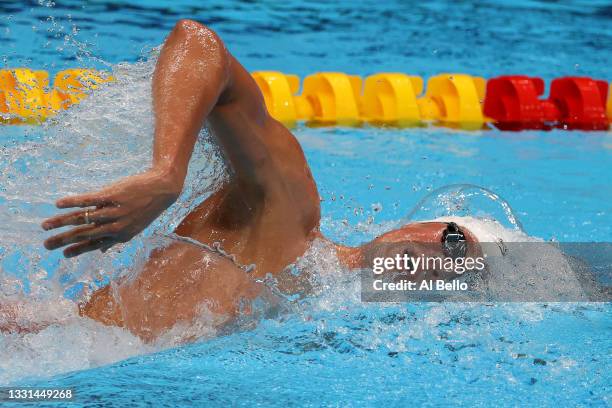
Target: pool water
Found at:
332, 349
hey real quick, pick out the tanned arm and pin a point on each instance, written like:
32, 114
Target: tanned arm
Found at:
191, 74
195, 80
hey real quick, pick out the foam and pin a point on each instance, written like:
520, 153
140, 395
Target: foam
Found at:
106, 137
75, 344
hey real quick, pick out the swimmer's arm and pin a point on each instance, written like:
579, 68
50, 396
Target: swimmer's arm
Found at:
191, 74
194, 75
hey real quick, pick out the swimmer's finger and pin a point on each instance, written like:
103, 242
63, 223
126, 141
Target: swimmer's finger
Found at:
87, 246
73, 218
99, 216
84, 200
84, 233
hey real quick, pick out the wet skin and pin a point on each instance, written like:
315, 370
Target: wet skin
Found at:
266, 213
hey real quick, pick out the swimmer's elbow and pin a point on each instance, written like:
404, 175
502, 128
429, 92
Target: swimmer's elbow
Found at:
189, 28
198, 33
186, 24
204, 41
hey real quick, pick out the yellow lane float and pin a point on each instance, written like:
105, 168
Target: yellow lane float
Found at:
391, 98
454, 100
73, 85
278, 91
22, 96
25, 97
333, 97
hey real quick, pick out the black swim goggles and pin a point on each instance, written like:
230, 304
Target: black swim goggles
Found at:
454, 244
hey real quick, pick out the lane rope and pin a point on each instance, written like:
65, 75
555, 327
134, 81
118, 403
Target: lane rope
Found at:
511, 102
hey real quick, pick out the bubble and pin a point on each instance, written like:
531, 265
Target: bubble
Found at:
464, 200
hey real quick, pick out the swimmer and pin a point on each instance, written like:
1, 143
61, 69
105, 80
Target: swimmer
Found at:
266, 214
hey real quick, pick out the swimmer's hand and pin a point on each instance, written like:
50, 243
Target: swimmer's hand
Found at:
120, 211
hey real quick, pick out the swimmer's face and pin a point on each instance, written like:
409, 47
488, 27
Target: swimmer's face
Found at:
417, 240
417, 232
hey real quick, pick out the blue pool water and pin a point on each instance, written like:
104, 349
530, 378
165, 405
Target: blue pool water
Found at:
333, 349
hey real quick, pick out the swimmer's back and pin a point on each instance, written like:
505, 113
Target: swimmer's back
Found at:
179, 283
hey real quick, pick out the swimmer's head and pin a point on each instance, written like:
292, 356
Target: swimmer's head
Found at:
434, 240
425, 232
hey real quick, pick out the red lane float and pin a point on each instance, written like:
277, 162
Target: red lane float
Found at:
574, 103
581, 102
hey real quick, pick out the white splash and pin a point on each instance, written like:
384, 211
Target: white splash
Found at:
106, 137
